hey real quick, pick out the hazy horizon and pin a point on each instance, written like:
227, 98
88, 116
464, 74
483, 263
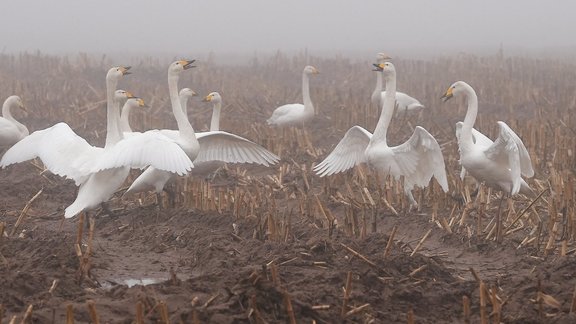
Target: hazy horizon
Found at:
415, 28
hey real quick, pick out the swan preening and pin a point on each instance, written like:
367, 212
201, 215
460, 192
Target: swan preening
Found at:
11, 131
417, 160
404, 103
499, 164
295, 114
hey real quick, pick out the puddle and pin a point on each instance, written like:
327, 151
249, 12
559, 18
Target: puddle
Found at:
131, 282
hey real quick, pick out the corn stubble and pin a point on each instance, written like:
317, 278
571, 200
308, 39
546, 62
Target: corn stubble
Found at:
533, 98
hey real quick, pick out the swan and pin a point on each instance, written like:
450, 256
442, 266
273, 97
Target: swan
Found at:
293, 114
216, 147
417, 160
132, 102
499, 164
61, 150
404, 103
11, 131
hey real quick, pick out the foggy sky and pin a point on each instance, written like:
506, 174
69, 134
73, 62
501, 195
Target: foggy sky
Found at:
152, 27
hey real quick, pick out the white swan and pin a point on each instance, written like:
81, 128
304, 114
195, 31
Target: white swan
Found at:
499, 164
404, 103
166, 150
294, 114
216, 147
417, 160
132, 102
61, 150
11, 131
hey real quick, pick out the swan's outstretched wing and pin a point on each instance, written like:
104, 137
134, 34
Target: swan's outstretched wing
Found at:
230, 148
61, 150
148, 148
508, 149
419, 159
477, 137
348, 153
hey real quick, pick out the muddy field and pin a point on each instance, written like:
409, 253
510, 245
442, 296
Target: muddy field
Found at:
257, 245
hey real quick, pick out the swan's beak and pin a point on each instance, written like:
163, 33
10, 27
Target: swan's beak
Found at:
316, 71
378, 67
141, 103
208, 98
187, 64
124, 70
21, 105
130, 95
448, 95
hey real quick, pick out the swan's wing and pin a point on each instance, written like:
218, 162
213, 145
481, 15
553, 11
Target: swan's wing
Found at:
230, 148
148, 148
477, 137
348, 153
61, 150
508, 149
419, 159
285, 114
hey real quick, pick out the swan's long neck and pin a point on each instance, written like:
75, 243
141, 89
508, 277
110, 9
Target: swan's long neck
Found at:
125, 118
7, 113
379, 136
466, 133
377, 94
306, 93
184, 125
215, 121
113, 134
184, 104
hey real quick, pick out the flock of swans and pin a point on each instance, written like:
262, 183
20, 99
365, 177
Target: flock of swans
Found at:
100, 171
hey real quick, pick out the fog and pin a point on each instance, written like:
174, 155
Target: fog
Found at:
244, 27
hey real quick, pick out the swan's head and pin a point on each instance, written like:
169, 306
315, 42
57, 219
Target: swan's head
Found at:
15, 101
136, 102
120, 95
456, 89
179, 66
309, 69
187, 93
382, 57
386, 68
213, 97
117, 72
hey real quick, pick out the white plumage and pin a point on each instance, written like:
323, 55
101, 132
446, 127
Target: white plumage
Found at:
499, 164
294, 114
11, 130
417, 160
216, 147
404, 103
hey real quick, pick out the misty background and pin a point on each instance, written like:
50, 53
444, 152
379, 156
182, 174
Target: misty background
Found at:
416, 28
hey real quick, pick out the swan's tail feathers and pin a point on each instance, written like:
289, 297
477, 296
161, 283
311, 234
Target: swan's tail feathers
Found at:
73, 210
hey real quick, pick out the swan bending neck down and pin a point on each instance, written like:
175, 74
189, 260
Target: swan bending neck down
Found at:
11, 131
294, 114
499, 164
417, 160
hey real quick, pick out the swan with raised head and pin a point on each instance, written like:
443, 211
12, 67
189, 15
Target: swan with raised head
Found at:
216, 148
61, 150
404, 103
131, 103
417, 160
294, 114
499, 164
11, 130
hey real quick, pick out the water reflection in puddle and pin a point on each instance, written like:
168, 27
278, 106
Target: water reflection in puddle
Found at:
143, 281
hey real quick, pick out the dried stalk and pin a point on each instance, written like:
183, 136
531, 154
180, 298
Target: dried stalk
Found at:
390, 241
363, 258
347, 289
24, 212
92, 311
421, 241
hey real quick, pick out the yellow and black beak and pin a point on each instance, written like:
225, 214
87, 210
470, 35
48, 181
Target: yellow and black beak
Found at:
187, 64
129, 95
316, 71
208, 98
124, 69
448, 95
378, 67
